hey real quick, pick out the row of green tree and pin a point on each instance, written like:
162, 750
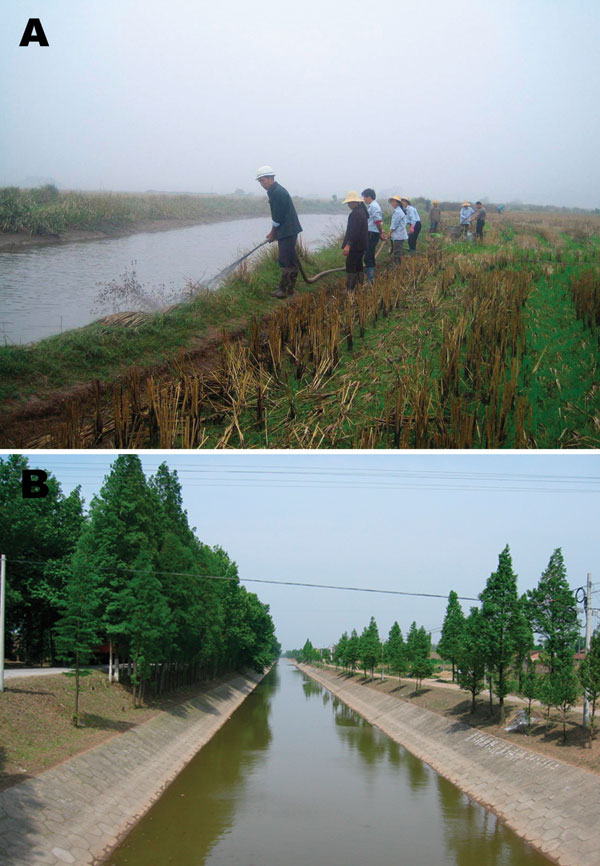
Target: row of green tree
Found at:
492, 646
410, 657
130, 574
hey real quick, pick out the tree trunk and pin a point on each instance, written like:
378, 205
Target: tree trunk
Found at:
76, 715
473, 696
110, 662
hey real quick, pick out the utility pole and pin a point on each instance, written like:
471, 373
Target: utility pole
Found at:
588, 637
585, 596
2, 618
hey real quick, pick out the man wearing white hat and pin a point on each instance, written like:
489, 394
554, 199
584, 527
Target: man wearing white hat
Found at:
285, 229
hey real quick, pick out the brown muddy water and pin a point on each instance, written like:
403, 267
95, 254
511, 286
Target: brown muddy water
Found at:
50, 289
296, 778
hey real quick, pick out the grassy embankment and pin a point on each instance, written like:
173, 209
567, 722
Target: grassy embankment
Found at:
36, 729
47, 211
465, 346
545, 736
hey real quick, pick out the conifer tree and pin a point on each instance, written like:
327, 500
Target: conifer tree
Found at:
500, 611
471, 656
396, 651
353, 651
589, 673
450, 642
341, 651
38, 537
370, 646
77, 631
552, 612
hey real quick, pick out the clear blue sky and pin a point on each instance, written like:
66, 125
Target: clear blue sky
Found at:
414, 522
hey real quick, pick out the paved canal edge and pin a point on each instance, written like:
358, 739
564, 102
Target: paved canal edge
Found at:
78, 811
551, 804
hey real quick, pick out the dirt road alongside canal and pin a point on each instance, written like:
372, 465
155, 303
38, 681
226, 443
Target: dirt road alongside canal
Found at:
76, 812
552, 805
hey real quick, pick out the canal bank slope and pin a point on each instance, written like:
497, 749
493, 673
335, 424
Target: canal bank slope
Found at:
552, 805
76, 812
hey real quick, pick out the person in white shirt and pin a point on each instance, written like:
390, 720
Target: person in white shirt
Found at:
466, 215
414, 223
375, 230
398, 232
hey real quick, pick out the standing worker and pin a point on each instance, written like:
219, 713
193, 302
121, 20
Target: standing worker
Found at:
480, 215
285, 230
398, 232
466, 215
414, 223
356, 239
435, 217
375, 227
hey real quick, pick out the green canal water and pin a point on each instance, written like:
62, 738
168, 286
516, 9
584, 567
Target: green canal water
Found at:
296, 778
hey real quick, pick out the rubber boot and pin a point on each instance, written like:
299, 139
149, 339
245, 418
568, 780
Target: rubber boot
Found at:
370, 272
282, 289
351, 280
361, 278
293, 276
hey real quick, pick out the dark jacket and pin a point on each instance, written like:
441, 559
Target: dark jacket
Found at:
357, 230
283, 212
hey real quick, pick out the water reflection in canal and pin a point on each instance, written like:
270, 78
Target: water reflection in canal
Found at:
296, 778
49, 289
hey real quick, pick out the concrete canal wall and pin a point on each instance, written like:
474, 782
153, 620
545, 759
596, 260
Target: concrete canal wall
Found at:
76, 812
552, 805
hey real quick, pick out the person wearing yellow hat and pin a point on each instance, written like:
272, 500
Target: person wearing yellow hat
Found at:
285, 229
466, 215
356, 239
398, 232
435, 217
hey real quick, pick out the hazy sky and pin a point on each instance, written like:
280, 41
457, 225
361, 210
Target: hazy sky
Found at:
492, 98
418, 523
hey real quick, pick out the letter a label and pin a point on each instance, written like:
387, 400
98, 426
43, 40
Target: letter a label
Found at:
34, 32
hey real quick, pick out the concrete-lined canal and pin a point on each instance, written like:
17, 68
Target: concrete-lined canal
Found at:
296, 777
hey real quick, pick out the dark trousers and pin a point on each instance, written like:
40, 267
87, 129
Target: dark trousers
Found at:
371, 247
287, 252
479, 229
412, 238
354, 261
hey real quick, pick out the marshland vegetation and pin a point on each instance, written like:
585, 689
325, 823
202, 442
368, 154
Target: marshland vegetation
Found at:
46, 210
463, 346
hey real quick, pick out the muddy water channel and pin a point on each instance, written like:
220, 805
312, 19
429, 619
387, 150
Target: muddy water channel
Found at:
49, 289
296, 778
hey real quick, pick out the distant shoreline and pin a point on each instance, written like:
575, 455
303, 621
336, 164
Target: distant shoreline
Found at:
16, 241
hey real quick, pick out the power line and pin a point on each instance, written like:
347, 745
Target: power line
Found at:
278, 582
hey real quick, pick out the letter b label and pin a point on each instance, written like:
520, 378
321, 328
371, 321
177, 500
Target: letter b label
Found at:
33, 484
